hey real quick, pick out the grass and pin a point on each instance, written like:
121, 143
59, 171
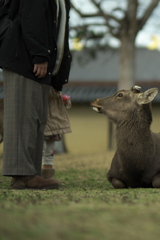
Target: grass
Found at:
86, 207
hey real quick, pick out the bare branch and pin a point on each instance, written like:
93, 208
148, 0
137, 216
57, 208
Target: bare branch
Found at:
112, 30
128, 25
86, 26
103, 14
99, 13
83, 15
148, 12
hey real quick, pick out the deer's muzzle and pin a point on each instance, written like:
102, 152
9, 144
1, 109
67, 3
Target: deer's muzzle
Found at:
96, 107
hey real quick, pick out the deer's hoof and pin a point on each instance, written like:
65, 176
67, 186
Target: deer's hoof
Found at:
117, 183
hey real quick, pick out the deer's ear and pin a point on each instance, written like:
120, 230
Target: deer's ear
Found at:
147, 96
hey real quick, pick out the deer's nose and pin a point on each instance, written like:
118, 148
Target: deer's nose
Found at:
94, 101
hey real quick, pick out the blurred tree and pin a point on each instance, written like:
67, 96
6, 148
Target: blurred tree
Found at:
123, 21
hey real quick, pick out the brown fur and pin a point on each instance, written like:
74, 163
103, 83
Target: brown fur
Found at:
136, 162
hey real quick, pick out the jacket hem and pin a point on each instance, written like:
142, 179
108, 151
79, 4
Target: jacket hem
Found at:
59, 131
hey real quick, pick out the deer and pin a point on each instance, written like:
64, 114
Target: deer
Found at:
136, 162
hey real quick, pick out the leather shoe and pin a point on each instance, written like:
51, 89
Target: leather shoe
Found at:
34, 182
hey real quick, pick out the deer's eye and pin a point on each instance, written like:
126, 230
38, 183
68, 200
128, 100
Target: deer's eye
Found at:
120, 95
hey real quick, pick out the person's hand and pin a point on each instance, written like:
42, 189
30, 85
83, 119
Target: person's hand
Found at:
40, 69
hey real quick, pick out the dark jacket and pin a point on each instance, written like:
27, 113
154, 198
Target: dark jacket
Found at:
31, 38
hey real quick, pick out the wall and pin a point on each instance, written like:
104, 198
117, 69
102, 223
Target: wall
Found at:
155, 127
89, 130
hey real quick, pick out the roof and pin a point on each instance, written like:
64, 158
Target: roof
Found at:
104, 67
88, 93
82, 94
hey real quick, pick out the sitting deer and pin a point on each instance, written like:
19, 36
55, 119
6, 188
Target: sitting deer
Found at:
136, 162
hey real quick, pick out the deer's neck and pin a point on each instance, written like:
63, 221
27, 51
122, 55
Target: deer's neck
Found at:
134, 142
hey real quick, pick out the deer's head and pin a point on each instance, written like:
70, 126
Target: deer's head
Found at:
125, 103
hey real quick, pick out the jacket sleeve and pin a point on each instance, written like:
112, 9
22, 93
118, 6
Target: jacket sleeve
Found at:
34, 28
62, 77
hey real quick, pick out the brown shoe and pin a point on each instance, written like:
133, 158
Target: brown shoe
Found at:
47, 173
34, 182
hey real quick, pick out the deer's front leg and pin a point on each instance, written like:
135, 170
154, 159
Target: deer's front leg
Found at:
117, 183
156, 181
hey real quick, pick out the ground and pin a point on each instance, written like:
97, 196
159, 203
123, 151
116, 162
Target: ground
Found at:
85, 207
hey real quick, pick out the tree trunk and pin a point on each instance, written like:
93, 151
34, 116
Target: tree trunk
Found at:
127, 63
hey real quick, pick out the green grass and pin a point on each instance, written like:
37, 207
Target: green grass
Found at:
86, 207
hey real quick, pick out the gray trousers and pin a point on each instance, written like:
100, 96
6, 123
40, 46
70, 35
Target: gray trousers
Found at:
25, 117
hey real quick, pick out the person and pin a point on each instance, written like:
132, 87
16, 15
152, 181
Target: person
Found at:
57, 124
34, 56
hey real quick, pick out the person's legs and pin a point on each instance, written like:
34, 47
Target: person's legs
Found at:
48, 159
40, 132
25, 104
48, 153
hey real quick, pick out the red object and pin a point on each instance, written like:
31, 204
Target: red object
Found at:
65, 97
